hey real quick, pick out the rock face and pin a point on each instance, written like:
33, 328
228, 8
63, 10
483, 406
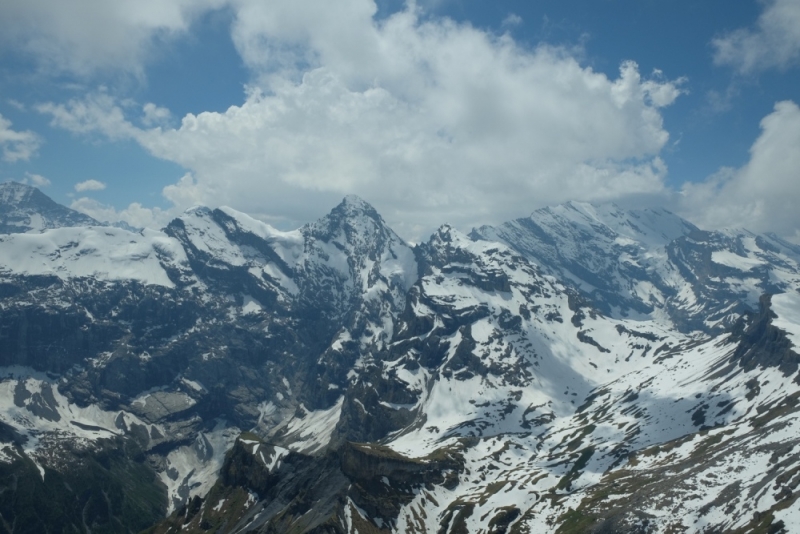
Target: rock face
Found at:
263, 488
587, 369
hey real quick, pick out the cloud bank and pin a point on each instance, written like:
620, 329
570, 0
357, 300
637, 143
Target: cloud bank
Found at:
428, 119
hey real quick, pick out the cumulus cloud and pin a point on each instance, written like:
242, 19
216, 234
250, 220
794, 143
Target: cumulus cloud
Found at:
136, 214
764, 194
89, 185
95, 113
17, 145
774, 42
428, 119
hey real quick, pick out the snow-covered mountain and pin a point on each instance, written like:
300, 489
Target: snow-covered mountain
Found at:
650, 263
26, 209
588, 369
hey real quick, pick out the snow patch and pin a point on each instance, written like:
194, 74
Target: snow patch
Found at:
313, 432
730, 259
787, 307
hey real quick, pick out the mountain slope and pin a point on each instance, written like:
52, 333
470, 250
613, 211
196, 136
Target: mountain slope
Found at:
538, 412
532, 377
650, 263
219, 323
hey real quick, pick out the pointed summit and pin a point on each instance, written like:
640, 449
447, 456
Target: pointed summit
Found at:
445, 233
356, 202
356, 230
353, 216
26, 209
355, 206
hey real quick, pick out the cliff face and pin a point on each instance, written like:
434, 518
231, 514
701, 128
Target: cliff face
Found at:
763, 345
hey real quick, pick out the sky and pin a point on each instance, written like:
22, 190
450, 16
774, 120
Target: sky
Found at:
464, 112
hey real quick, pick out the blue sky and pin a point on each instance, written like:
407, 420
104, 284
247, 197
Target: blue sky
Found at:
459, 111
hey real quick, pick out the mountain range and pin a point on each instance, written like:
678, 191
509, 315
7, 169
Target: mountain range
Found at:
584, 369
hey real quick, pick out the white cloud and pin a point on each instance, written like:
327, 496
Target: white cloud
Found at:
135, 214
774, 42
512, 20
89, 185
431, 121
764, 194
98, 112
36, 180
154, 115
17, 145
186, 192
81, 36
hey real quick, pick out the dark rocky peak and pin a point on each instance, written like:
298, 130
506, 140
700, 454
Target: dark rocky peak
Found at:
26, 209
448, 237
445, 233
445, 245
353, 205
355, 233
353, 222
449, 250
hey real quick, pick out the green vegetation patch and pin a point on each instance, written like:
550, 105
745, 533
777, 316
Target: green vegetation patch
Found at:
106, 491
575, 522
